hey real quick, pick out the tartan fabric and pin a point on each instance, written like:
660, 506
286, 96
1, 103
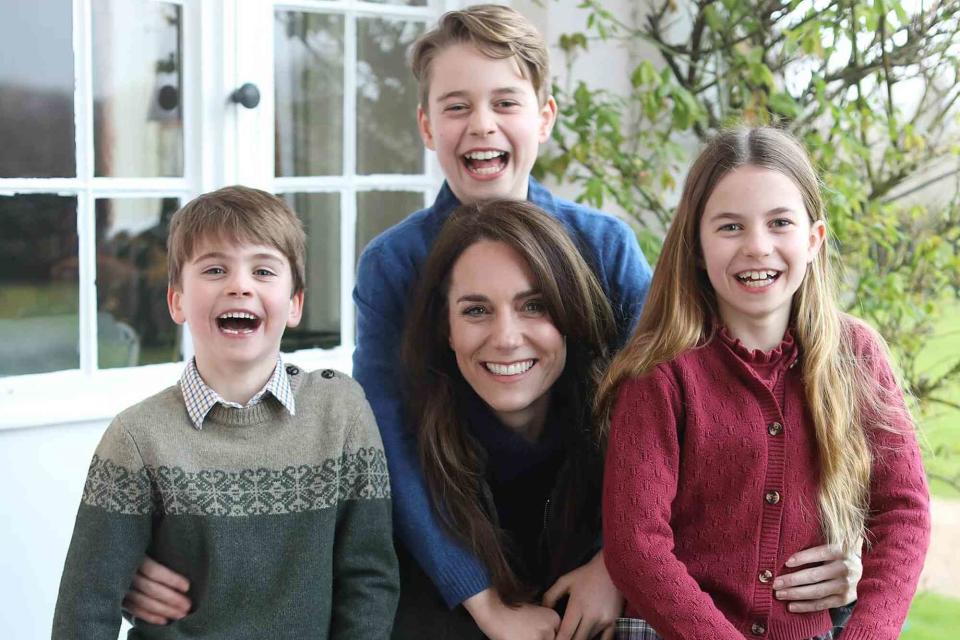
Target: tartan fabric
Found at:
637, 629
199, 398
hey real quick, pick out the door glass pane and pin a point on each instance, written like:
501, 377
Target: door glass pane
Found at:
133, 324
387, 138
137, 88
320, 325
36, 90
308, 75
39, 284
377, 211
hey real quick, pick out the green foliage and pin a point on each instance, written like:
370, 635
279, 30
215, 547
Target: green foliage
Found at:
872, 89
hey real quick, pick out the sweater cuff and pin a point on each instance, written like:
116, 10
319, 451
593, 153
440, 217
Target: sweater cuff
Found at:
457, 583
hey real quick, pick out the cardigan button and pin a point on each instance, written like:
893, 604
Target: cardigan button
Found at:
758, 629
327, 373
772, 497
774, 428
292, 369
766, 576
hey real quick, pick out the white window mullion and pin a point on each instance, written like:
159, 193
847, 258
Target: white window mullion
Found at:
348, 197
86, 213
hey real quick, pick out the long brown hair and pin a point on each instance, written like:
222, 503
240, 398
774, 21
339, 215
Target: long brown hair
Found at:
453, 461
681, 307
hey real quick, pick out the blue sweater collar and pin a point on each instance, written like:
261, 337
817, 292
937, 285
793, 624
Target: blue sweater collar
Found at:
446, 201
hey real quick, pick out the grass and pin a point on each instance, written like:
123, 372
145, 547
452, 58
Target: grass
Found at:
932, 617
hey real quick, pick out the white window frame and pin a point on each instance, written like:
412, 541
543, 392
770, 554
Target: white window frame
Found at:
223, 47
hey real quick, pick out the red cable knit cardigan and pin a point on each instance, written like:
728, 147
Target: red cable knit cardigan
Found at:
711, 485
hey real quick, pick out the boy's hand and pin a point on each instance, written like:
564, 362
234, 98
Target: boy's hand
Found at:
156, 594
501, 622
832, 583
593, 606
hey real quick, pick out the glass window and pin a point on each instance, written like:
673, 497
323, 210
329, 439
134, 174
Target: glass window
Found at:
320, 325
133, 323
377, 211
308, 76
39, 284
137, 71
387, 137
36, 90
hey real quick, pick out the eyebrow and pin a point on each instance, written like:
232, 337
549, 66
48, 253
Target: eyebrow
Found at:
730, 215
477, 297
462, 93
219, 255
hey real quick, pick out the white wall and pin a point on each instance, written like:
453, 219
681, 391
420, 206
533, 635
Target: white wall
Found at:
42, 470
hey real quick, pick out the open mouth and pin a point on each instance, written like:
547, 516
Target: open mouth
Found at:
758, 279
509, 369
237, 322
487, 162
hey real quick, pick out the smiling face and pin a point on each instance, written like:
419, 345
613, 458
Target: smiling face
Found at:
236, 299
484, 121
506, 346
757, 240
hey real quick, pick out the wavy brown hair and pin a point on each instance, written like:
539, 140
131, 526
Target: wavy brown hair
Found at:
681, 309
453, 462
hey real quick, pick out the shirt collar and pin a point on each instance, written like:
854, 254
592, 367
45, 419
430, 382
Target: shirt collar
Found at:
200, 398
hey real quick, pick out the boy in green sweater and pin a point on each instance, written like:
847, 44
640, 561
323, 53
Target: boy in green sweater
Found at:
265, 485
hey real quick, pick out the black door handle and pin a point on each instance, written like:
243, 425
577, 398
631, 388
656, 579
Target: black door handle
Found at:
248, 95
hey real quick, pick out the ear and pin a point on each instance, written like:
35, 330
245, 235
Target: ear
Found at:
548, 115
426, 131
818, 234
296, 309
175, 305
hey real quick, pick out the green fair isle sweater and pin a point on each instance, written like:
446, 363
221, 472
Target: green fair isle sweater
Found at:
281, 523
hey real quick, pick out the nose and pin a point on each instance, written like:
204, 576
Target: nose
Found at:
507, 332
239, 284
482, 122
758, 242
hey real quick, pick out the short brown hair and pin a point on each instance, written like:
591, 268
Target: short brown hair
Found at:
236, 214
498, 32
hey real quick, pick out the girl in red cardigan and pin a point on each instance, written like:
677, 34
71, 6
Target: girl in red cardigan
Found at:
749, 419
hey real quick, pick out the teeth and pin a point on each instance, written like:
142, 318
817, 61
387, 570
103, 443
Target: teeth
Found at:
484, 155
237, 314
756, 275
485, 170
513, 369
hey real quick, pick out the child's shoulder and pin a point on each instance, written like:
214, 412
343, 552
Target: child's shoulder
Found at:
329, 387
410, 234
154, 409
863, 338
583, 217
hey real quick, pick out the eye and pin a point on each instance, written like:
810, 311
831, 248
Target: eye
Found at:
475, 311
781, 222
455, 108
506, 104
214, 271
535, 307
263, 272
733, 226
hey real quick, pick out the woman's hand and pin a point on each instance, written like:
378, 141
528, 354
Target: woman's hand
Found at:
593, 606
157, 594
501, 622
832, 583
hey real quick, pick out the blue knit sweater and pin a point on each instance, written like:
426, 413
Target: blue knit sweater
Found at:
386, 274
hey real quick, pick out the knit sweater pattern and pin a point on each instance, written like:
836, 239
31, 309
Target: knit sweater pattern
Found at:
281, 523
711, 484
